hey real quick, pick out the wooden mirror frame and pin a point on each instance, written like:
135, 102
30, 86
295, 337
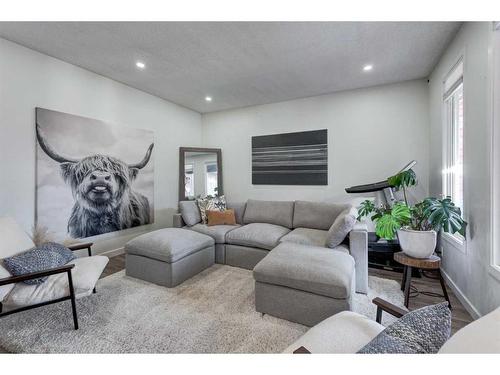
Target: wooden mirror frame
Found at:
182, 152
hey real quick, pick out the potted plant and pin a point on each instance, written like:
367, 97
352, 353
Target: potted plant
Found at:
415, 226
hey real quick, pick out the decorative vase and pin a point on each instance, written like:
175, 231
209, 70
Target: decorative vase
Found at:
416, 243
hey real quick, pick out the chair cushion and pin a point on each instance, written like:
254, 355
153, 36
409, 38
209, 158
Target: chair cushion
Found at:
46, 256
217, 232
85, 274
341, 227
312, 269
260, 235
190, 212
422, 331
345, 332
316, 215
168, 244
14, 238
271, 212
306, 236
4, 289
480, 336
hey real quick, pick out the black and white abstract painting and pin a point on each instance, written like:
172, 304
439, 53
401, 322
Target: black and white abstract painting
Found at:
92, 177
290, 159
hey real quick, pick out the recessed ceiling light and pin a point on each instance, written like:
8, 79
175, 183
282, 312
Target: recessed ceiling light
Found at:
208, 98
140, 64
367, 68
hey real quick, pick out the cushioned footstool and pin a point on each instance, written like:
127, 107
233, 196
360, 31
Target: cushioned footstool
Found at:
169, 256
304, 284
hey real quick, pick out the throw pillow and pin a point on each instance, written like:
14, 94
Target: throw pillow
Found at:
341, 227
190, 212
221, 217
210, 203
420, 331
41, 258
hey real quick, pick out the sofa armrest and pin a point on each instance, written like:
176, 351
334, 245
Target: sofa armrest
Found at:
35, 275
177, 221
358, 245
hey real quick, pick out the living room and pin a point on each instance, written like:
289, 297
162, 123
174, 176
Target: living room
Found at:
295, 186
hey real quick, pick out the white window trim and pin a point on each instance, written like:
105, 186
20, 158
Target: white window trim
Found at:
494, 268
457, 242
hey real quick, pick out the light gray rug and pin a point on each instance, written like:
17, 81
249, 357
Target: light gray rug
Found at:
211, 313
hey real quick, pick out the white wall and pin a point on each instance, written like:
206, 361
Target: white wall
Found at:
29, 79
372, 133
468, 269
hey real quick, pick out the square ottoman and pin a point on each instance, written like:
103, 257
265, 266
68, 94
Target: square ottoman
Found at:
169, 256
304, 284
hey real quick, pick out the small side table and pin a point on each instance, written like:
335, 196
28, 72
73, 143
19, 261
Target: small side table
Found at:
432, 264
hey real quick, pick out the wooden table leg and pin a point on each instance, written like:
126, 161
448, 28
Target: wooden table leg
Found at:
407, 285
403, 281
443, 286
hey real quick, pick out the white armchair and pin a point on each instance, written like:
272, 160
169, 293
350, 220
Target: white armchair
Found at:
348, 332
74, 280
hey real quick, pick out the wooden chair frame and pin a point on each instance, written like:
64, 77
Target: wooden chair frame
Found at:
54, 271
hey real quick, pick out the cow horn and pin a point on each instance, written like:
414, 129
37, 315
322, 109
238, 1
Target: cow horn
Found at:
48, 150
144, 161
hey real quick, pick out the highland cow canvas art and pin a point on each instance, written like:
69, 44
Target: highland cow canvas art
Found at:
92, 177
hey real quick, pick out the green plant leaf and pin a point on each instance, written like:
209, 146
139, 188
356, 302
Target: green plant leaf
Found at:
388, 223
403, 179
443, 214
365, 208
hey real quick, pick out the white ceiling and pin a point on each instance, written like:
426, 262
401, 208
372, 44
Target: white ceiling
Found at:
241, 63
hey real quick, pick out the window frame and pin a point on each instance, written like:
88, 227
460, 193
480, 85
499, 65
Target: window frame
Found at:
495, 153
456, 240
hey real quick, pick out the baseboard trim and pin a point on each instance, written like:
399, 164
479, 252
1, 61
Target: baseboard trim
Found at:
114, 252
461, 296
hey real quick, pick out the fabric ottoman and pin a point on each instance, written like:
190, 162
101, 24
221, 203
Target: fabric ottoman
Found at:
304, 284
169, 256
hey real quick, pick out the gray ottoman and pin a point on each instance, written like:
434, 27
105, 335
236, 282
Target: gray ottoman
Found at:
169, 256
304, 284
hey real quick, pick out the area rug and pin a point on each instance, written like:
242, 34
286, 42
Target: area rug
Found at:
212, 312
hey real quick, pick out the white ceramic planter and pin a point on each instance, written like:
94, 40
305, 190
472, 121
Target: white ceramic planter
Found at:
417, 244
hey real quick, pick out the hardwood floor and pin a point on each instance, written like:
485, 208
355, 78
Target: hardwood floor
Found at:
460, 316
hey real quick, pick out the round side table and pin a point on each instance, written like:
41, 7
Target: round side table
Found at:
433, 263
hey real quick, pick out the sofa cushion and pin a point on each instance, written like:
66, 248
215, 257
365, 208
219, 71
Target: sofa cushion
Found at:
316, 215
168, 244
239, 210
44, 257
210, 203
85, 274
217, 232
14, 238
306, 236
481, 336
260, 235
312, 269
221, 217
422, 331
190, 212
345, 332
271, 212
341, 227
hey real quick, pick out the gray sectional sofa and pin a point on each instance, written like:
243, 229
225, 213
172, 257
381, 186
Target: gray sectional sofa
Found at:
263, 225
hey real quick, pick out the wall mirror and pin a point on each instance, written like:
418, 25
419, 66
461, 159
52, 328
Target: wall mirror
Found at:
200, 172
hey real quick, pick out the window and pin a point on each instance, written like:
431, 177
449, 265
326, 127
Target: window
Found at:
189, 180
453, 150
495, 156
211, 178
